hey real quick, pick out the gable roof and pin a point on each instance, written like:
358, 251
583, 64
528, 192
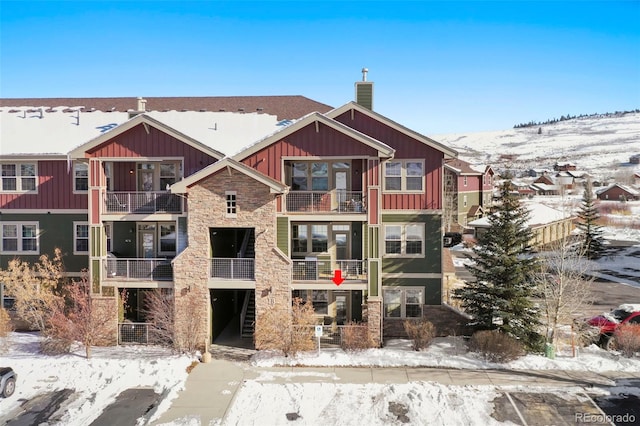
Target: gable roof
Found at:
283, 107
461, 167
180, 187
399, 127
625, 188
145, 120
539, 214
384, 150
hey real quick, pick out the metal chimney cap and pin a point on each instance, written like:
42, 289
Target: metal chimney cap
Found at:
364, 74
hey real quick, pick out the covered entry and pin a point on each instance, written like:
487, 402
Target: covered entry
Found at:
233, 316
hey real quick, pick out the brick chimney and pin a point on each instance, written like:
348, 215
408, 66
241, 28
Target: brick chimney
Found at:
364, 91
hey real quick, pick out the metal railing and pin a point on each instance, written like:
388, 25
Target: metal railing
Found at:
142, 202
319, 269
334, 335
233, 268
133, 332
137, 269
334, 201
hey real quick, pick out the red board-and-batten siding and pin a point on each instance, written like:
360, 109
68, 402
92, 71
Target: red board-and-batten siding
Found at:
406, 148
327, 142
136, 143
474, 183
55, 190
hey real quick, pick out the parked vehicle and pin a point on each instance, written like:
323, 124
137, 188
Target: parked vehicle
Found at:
8, 379
608, 322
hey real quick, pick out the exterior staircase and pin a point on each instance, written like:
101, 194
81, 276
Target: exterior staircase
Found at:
248, 315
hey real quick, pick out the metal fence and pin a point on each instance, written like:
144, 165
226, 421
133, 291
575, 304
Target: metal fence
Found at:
233, 268
335, 201
335, 336
138, 269
133, 332
142, 202
319, 269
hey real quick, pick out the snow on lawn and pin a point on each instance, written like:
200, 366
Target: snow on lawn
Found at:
450, 352
97, 381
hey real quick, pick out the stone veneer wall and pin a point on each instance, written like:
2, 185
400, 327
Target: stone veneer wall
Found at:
110, 307
256, 208
374, 317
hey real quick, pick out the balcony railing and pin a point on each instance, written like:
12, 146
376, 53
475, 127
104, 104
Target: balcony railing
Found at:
138, 269
318, 269
335, 201
233, 268
142, 202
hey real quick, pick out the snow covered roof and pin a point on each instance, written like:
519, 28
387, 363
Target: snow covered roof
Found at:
59, 130
539, 215
625, 188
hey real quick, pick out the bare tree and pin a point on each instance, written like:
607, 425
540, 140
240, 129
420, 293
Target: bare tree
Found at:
82, 318
289, 331
449, 201
159, 311
35, 288
563, 279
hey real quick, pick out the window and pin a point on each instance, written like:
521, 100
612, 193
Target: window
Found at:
168, 175
167, 238
299, 177
464, 180
302, 242
319, 299
80, 237
231, 203
405, 175
20, 237
404, 240
404, 302
108, 230
319, 177
464, 200
18, 177
80, 176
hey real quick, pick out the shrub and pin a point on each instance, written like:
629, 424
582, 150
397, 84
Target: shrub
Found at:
355, 337
627, 339
496, 346
5, 323
289, 331
421, 332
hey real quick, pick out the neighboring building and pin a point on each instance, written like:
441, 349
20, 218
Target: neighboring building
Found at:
618, 192
547, 224
634, 159
468, 191
244, 209
564, 167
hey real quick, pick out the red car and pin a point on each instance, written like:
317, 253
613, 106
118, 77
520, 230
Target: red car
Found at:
608, 322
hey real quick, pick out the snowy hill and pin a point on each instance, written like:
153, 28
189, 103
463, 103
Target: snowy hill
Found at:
599, 145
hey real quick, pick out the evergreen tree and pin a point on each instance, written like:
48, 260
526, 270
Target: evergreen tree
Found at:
588, 216
500, 295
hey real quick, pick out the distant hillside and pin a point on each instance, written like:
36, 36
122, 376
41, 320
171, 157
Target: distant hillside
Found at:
600, 145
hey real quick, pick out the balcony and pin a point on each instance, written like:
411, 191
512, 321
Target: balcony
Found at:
142, 202
319, 270
233, 269
334, 201
137, 270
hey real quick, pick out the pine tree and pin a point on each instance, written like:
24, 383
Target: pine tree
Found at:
592, 241
500, 295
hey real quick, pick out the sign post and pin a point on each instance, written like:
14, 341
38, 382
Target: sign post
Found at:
318, 335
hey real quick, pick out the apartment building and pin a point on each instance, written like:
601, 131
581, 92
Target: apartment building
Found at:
244, 206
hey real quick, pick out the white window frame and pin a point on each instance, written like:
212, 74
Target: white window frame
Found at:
76, 238
403, 300
231, 199
403, 240
404, 176
19, 238
464, 180
19, 177
76, 177
464, 201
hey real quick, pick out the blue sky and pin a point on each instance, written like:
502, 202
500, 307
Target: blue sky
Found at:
437, 67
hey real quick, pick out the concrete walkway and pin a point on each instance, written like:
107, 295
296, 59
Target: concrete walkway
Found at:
210, 388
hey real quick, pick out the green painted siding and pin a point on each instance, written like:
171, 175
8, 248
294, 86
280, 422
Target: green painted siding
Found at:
282, 234
432, 287
373, 278
56, 230
432, 261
